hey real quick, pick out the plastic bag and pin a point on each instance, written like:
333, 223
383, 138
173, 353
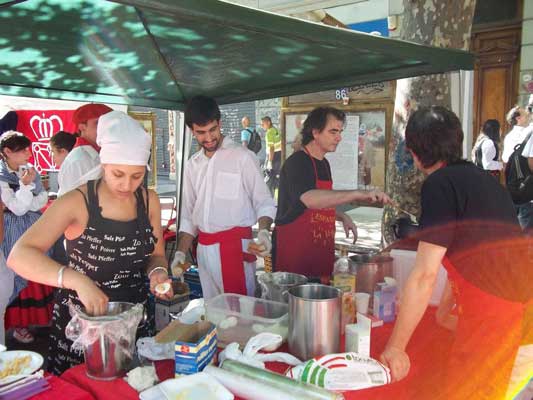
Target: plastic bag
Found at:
84, 330
340, 372
251, 356
148, 348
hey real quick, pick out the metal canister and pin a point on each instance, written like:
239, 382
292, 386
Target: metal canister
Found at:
314, 320
108, 340
274, 286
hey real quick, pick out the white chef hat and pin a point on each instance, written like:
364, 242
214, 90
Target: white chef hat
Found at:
122, 140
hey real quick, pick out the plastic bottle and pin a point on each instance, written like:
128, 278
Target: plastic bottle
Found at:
344, 279
343, 276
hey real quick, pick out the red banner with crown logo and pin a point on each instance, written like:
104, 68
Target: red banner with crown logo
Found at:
39, 126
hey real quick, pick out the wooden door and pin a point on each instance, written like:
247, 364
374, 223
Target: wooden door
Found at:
496, 74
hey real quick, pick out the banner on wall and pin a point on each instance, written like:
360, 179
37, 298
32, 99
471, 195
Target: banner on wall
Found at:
39, 126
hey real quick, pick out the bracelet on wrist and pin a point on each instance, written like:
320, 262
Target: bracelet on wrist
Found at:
157, 268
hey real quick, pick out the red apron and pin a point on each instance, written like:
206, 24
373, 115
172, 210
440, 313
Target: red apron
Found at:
489, 332
232, 256
307, 245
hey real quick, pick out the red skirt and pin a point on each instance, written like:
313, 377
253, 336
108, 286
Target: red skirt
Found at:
33, 306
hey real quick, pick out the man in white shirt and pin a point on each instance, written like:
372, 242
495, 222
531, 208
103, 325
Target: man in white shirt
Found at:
518, 118
81, 164
224, 195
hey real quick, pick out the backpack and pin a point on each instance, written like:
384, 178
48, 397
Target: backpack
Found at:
518, 177
254, 143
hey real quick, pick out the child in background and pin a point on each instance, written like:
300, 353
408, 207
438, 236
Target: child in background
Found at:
23, 196
61, 144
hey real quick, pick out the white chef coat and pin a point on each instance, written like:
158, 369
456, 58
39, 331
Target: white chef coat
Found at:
80, 165
220, 193
224, 191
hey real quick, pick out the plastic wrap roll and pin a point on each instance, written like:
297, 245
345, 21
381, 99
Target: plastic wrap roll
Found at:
289, 388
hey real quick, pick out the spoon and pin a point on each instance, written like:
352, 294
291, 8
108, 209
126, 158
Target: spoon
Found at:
410, 215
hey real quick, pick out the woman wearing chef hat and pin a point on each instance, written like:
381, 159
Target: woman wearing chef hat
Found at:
113, 230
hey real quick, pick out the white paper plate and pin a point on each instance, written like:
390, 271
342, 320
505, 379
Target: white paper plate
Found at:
190, 387
6, 356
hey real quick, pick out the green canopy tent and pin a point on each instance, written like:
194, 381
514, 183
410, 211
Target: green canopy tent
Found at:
160, 53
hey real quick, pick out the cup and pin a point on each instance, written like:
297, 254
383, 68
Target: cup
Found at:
246, 305
361, 302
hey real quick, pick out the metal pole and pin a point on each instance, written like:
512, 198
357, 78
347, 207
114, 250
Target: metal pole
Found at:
182, 154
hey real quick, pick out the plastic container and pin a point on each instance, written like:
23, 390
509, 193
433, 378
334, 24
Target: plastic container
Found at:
238, 317
344, 276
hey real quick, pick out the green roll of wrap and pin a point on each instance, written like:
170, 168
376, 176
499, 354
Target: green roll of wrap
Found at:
283, 382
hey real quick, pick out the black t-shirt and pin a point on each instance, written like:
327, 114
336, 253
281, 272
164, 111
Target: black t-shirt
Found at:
297, 176
467, 211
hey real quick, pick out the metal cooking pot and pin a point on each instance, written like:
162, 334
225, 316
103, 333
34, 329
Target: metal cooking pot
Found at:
404, 227
274, 286
371, 269
109, 352
314, 320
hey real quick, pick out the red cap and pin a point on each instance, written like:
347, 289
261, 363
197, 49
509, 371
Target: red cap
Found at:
89, 111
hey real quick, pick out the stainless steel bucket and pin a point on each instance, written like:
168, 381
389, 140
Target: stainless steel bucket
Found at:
371, 269
274, 286
106, 359
314, 320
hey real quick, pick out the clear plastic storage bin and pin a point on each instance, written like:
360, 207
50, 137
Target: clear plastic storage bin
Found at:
238, 317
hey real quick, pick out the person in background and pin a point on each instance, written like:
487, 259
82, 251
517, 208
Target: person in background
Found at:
224, 195
114, 238
23, 196
61, 145
273, 152
81, 164
6, 280
485, 152
518, 118
306, 203
246, 132
468, 223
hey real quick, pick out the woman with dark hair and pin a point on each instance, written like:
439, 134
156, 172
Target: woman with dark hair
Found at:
469, 225
61, 144
114, 239
485, 152
23, 196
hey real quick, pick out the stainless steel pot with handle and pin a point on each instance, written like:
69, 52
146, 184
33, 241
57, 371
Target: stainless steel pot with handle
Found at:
275, 286
314, 320
371, 269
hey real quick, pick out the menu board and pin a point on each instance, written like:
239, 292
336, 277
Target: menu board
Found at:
344, 161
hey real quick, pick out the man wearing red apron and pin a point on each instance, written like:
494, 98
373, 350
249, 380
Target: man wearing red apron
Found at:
305, 219
468, 224
224, 195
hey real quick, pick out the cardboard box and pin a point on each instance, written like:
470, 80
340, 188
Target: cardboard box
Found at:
195, 345
384, 306
357, 338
